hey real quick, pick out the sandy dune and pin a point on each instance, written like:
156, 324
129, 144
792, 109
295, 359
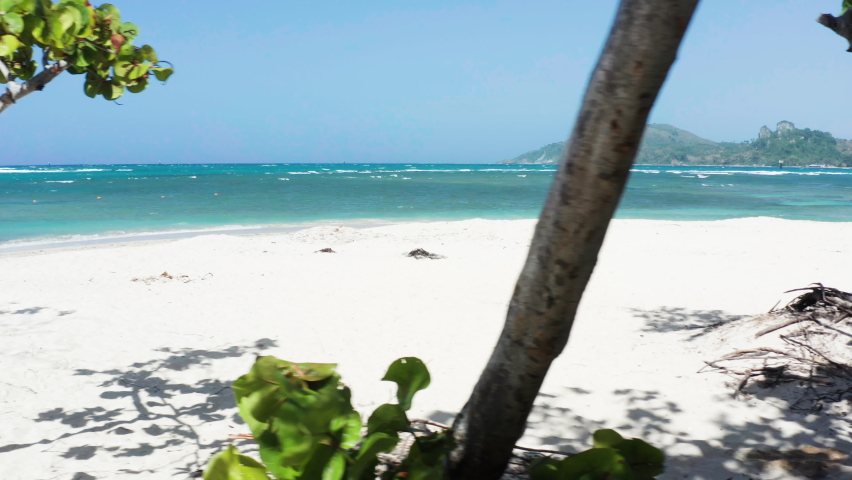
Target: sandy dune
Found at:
110, 370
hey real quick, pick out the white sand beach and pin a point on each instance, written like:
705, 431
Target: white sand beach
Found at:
110, 370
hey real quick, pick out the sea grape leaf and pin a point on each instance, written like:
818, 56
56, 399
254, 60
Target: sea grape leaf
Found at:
325, 458
231, 465
606, 438
260, 392
109, 12
544, 468
163, 73
129, 30
93, 85
111, 91
411, 375
138, 70
347, 429
148, 53
367, 458
8, 44
595, 463
388, 418
13, 23
645, 460
139, 85
336, 467
309, 372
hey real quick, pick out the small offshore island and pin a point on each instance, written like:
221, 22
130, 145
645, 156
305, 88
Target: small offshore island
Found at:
668, 145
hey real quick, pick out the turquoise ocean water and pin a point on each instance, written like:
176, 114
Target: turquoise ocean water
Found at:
146, 199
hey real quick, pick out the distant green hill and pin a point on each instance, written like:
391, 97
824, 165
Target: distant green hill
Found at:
668, 145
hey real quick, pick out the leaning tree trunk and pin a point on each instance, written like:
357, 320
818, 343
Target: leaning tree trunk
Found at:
592, 174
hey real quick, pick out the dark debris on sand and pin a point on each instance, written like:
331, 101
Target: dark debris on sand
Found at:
419, 253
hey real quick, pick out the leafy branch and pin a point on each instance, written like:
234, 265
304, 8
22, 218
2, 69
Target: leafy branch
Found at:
301, 416
77, 37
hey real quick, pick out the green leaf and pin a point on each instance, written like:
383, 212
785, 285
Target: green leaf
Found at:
335, 468
645, 460
846, 5
139, 85
26, 69
367, 458
111, 91
92, 87
162, 73
309, 372
13, 22
108, 12
129, 30
138, 70
544, 468
347, 429
388, 419
148, 53
230, 465
606, 438
54, 31
20, 6
34, 27
411, 375
69, 17
593, 464
7, 5
8, 44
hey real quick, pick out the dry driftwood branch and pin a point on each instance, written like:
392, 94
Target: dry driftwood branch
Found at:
777, 327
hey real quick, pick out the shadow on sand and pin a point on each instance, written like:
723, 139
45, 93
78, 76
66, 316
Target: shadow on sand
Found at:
166, 413
739, 452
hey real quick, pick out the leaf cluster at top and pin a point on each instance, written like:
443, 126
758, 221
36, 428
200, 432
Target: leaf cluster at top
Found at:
91, 41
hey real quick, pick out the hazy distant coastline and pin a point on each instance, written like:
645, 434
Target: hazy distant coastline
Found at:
664, 144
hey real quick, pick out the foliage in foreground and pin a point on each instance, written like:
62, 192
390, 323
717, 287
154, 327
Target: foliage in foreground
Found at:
612, 458
86, 40
302, 418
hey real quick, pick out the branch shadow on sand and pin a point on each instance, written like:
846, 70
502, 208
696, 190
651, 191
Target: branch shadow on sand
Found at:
748, 448
677, 319
165, 413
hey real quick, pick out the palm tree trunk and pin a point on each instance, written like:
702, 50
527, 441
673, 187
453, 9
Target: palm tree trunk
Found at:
593, 171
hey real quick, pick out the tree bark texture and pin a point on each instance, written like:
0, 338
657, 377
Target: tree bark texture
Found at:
841, 25
16, 91
591, 177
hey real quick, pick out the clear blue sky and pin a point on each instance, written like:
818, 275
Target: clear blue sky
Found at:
390, 81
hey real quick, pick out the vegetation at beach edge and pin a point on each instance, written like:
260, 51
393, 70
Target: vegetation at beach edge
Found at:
302, 418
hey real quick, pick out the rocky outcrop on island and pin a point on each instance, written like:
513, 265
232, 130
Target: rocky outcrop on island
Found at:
668, 145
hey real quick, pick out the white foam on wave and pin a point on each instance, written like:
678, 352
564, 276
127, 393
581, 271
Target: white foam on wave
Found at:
311, 172
15, 170
124, 170
193, 176
284, 179
59, 181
